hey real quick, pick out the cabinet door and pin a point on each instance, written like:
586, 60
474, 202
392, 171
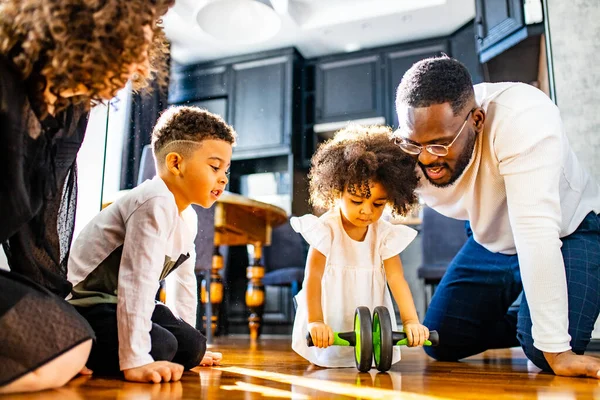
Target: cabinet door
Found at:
348, 89
496, 19
397, 63
261, 106
191, 83
215, 106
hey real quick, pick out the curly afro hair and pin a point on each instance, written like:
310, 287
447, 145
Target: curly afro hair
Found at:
435, 80
180, 125
357, 156
94, 43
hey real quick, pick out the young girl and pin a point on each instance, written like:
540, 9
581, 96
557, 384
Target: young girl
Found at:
353, 253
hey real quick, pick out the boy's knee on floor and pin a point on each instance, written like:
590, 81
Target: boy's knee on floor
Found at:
164, 348
197, 348
192, 347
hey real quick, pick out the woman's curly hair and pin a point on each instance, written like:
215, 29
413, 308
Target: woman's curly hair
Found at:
90, 42
356, 157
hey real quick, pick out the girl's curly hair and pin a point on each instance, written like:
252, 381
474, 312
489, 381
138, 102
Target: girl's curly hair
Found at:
89, 42
357, 156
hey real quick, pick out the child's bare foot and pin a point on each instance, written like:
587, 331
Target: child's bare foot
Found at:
85, 371
211, 358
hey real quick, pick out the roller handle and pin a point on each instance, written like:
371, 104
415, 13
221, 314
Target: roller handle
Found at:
339, 339
399, 339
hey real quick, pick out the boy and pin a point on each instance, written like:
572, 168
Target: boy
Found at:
119, 258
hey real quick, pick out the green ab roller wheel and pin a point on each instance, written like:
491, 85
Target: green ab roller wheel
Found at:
361, 339
384, 338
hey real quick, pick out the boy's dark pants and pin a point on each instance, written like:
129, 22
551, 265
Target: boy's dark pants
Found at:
172, 339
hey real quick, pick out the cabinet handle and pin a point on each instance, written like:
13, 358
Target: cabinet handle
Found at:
480, 34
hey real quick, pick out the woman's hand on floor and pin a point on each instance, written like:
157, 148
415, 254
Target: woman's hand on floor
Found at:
156, 372
211, 358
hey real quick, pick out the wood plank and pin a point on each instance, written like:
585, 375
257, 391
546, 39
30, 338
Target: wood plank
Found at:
270, 369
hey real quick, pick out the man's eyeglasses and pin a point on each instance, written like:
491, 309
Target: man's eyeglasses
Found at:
438, 150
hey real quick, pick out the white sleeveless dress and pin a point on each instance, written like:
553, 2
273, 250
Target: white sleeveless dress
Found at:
354, 276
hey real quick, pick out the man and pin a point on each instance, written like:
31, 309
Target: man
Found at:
496, 156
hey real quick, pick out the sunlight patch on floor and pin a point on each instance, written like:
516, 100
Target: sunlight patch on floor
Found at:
264, 390
344, 389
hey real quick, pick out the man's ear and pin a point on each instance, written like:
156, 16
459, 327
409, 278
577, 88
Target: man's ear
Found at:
479, 118
174, 163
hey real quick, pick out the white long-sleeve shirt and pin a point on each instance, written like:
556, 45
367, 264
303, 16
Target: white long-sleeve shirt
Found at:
123, 253
522, 191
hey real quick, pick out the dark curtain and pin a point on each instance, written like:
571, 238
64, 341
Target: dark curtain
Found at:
146, 107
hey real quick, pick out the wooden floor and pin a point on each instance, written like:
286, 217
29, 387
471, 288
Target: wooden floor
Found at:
272, 370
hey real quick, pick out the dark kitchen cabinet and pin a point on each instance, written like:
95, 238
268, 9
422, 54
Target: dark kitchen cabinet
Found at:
198, 82
261, 106
500, 25
348, 87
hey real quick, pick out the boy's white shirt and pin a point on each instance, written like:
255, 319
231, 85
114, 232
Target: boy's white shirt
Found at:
166, 233
182, 286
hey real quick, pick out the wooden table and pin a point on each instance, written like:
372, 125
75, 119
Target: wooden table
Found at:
241, 221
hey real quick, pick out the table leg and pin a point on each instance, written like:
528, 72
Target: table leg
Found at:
255, 292
214, 294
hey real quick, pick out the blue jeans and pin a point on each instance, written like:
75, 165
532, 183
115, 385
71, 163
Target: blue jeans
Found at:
471, 308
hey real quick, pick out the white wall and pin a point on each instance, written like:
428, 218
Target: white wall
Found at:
90, 160
574, 33
118, 128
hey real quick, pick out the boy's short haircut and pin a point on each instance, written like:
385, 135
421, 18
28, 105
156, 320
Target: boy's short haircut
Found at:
179, 126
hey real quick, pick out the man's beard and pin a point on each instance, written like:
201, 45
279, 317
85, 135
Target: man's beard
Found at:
461, 164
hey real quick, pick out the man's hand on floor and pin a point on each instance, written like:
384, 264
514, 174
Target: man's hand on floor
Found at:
570, 364
156, 372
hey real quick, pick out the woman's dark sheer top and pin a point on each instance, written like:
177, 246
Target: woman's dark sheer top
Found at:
38, 182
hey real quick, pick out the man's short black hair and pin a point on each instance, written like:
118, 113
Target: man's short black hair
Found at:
435, 80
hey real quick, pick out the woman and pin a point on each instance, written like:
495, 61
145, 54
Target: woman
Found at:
57, 58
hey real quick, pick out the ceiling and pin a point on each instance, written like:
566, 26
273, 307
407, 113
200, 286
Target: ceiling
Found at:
321, 27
